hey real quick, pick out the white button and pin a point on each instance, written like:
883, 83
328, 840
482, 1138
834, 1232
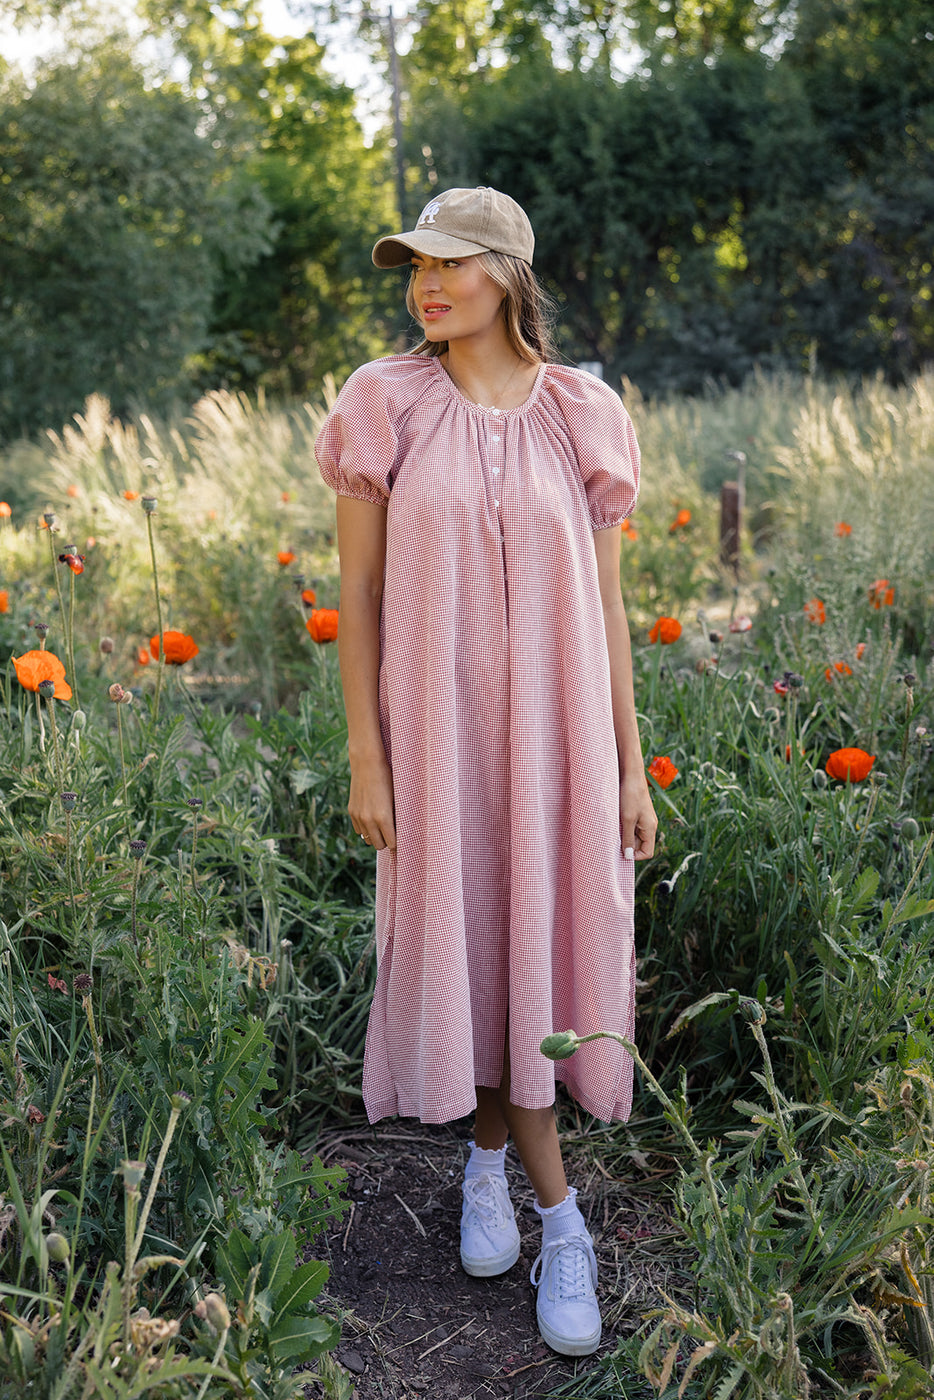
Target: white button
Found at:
496, 438
496, 471
496, 503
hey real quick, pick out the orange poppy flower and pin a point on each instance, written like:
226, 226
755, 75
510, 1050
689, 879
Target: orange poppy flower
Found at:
663, 770
131, 495
36, 666
142, 657
285, 497
309, 597
840, 667
742, 623
815, 611
665, 630
681, 519
179, 648
75, 562
72, 491
5, 510
285, 557
881, 594
842, 529
322, 625
628, 530
850, 765
4, 601
860, 650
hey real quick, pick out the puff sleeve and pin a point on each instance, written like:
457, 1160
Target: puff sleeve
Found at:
357, 446
604, 444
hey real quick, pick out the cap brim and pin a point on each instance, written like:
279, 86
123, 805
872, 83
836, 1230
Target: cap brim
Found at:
395, 251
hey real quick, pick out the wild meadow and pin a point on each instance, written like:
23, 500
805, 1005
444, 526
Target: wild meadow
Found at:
186, 916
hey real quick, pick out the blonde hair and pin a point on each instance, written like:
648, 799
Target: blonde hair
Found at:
528, 311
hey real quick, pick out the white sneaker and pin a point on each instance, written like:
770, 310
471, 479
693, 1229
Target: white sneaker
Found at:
489, 1234
567, 1309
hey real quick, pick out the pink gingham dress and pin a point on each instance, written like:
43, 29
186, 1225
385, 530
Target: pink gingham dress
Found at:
508, 901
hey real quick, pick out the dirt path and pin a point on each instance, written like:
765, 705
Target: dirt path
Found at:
414, 1324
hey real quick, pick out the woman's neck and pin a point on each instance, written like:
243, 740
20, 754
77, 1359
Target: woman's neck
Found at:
495, 377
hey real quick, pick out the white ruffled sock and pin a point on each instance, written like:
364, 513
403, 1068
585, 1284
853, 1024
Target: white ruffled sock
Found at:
489, 1161
561, 1220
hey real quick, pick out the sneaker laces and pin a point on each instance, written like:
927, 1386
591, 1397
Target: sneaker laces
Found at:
575, 1267
485, 1196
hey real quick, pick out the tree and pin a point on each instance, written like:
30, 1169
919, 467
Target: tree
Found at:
119, 211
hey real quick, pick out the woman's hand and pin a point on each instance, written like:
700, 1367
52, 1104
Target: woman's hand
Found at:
371, 803
637, 819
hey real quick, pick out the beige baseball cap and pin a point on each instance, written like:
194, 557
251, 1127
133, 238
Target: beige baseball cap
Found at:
459, 223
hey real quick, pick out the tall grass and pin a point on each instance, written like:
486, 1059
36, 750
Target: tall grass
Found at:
785, 928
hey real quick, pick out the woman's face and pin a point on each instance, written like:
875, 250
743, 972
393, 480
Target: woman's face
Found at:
455, 299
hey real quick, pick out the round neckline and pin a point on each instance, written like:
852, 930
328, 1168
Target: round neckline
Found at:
479, 407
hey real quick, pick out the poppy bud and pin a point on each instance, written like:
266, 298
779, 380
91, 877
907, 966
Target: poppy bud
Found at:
216, 1312
79, 719
107, 645
57, 1247
910, 829
820, 778
560, 1046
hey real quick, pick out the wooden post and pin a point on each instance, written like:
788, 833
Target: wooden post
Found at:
732, 495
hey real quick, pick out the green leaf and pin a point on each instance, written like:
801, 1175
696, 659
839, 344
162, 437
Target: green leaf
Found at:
306, 1283
914, 909
234, 1261
300, 1338
698, 1008
277, 1262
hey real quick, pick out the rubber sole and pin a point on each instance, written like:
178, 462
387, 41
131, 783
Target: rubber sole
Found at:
569, 1346
491, 1268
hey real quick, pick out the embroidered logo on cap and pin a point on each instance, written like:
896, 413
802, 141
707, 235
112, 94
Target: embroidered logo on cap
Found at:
429, 213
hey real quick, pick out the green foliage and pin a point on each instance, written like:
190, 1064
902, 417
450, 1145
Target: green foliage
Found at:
233, 959
118, 211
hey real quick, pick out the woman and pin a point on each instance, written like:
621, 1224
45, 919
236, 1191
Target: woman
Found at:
494, 753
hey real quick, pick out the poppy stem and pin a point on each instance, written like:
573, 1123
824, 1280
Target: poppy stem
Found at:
58, 588
155, 579
41, 722
59, 775
70, 639
68, 867
126, 797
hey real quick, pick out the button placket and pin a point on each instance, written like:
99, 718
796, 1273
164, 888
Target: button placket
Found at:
495, 434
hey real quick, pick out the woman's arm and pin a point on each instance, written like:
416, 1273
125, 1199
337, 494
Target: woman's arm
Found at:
361, 538
637, 815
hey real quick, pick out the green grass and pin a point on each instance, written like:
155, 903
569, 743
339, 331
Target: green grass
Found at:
785, 929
